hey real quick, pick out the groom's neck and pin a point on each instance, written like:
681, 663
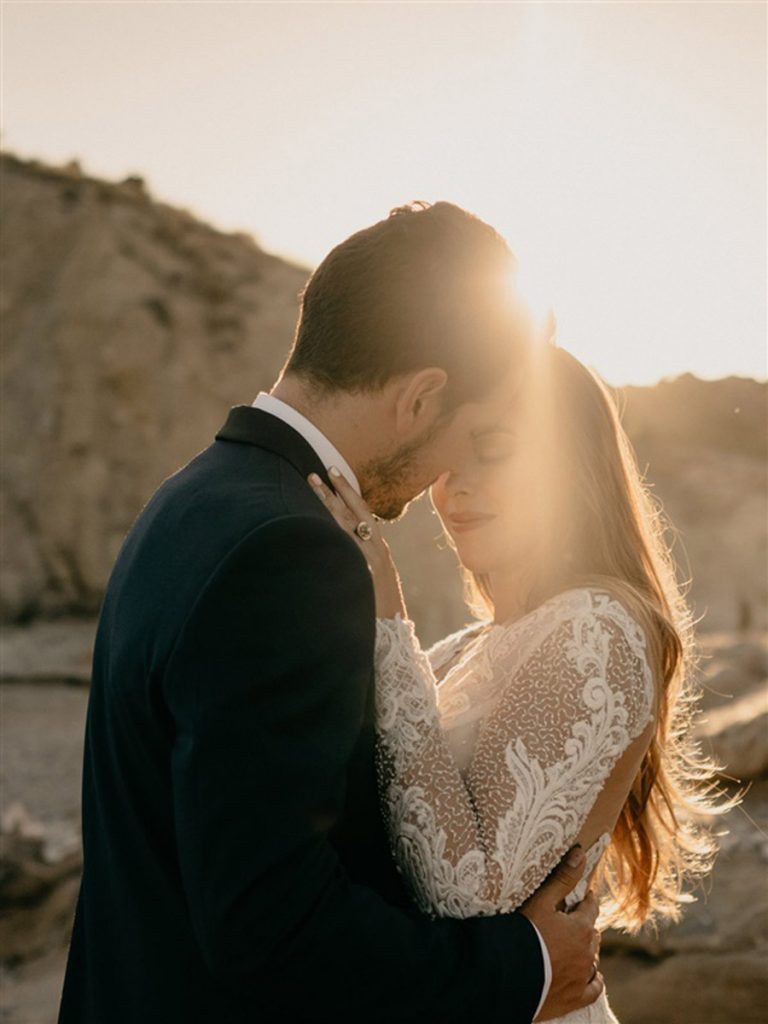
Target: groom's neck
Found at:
340, 416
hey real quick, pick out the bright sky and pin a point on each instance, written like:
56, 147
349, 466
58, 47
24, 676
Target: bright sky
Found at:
620, 147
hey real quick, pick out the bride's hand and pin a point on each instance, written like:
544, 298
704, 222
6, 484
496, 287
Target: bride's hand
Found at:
349, 510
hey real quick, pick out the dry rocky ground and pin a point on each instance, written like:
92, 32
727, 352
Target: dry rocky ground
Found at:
710, 969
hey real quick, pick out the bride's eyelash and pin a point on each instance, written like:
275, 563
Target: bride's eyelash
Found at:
494, 446
494, 458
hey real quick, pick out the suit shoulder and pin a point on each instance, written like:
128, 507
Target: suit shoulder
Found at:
307, 537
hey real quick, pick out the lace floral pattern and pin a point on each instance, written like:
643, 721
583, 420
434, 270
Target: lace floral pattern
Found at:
557, 697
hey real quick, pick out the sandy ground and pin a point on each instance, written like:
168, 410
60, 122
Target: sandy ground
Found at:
718, 975
41, 766
42, 752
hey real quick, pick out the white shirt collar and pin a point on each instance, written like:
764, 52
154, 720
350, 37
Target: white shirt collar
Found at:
328, 453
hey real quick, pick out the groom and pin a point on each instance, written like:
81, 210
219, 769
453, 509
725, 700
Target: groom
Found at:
236, 868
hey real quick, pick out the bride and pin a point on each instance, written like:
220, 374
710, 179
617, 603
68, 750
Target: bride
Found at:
561, 714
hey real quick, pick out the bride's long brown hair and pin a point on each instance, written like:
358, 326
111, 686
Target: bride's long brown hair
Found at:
603, 527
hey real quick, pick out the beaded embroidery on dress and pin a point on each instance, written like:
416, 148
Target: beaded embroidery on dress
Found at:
487, 779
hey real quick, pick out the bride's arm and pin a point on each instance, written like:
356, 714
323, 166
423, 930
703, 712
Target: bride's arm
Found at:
433, 828
542, 758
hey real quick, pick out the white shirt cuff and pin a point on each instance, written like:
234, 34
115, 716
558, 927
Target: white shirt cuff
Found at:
547, 970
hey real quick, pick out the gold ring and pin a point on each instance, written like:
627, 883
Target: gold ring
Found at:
363, 530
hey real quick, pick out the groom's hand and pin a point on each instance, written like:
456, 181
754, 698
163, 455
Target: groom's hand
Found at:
572, 941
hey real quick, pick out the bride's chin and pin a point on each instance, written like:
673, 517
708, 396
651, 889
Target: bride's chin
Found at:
473, 561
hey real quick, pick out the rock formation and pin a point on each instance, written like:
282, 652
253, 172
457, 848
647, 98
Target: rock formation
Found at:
130, 327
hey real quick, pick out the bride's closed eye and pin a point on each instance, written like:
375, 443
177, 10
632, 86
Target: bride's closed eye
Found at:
489, 458
494, 446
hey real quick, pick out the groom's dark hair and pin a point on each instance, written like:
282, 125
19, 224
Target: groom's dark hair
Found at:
430, 285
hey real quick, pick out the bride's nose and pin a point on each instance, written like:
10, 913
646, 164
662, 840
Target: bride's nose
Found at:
456, 482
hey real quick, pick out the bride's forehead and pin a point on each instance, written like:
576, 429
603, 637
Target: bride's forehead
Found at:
493, 417
501, 407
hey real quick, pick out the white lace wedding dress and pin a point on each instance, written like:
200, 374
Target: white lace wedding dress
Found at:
487, 778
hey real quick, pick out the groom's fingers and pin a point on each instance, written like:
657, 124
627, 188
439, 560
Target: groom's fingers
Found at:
592, 991
588, 909
563, 879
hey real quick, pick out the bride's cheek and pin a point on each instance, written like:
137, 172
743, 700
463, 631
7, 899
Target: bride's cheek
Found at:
437, 495
501, 485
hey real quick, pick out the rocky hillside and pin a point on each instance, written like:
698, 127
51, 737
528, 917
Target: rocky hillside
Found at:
130, 328
704, 447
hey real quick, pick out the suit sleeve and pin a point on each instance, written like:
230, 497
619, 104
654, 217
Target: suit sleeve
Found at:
267, 686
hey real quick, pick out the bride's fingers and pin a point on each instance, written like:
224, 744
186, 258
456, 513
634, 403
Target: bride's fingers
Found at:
351, 498
333, 502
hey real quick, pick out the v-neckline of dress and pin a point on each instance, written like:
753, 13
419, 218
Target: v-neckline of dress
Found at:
488, 628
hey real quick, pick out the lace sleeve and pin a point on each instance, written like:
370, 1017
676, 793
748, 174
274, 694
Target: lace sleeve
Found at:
432, 827
570, 704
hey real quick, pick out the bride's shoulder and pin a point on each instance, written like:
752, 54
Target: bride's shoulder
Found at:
608, 606
607, 625
597, 630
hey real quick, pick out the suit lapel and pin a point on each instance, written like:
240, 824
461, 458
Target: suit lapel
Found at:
258, 427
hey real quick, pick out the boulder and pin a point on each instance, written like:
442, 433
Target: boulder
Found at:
60, 651
736, 735
693, 988
37, 895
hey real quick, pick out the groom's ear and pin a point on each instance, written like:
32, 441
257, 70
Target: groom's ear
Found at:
419, 399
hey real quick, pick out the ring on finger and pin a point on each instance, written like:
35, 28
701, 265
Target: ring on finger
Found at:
363, 530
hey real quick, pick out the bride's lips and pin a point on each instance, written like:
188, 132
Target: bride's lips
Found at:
461, 522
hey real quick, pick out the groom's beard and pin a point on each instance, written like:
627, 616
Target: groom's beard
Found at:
385, 483
389, 484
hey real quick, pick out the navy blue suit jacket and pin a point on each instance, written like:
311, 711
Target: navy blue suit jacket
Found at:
236, 868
